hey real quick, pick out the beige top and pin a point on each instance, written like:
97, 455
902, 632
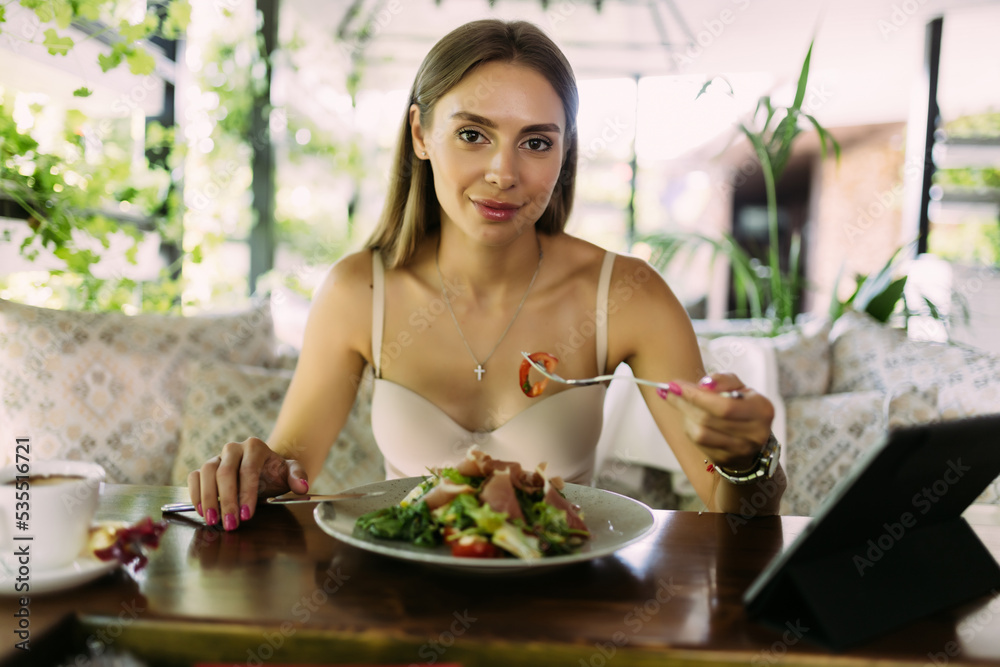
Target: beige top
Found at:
562, 430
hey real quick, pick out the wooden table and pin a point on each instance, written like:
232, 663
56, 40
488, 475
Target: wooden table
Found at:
280, 590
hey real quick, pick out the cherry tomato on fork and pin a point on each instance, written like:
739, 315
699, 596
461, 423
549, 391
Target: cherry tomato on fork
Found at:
532, 390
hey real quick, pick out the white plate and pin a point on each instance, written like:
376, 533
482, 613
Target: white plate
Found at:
86, 567
615, 521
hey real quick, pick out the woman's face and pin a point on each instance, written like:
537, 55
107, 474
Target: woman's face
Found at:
496, 145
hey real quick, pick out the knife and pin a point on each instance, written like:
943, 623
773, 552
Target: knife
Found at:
281, 500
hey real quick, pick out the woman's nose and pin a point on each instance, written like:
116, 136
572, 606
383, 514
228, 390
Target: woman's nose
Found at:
502, 169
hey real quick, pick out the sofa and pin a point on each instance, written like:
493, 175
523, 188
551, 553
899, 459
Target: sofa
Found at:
150, 397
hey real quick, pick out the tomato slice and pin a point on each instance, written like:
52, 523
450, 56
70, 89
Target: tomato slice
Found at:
474, 546
530, 389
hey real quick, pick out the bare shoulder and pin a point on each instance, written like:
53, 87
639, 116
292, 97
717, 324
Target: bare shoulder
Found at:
642, 309
348, 282
577, 256
343, 301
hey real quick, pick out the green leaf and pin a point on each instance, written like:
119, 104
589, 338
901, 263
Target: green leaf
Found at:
3, 14
89, 9
107, 62
781, 144
77, 261
794, 261
873, 287
748, 288
824, 138
836, 306
178, 19
766, 101
83, 91
800, 92
708, 84
884, 303
63, 14
134, 32
43, 10
932, 307
58, 46
140, 62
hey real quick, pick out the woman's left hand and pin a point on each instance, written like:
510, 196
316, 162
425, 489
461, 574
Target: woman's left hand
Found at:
730, 429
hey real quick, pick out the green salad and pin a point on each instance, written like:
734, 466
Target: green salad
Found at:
484, 508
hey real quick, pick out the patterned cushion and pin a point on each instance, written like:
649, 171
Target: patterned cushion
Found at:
862, 350
228, 402
108, 388
870, 356
803, 358
827, 434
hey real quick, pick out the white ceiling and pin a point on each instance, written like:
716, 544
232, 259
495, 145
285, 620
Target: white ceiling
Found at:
866, 59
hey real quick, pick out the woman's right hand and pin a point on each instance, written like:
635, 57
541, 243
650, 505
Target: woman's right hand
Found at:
228, 486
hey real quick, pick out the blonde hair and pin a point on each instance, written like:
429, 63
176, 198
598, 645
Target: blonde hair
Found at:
411, 208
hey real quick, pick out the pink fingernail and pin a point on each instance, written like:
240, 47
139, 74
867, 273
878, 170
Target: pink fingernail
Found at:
661, 392
200, 513
244, 512
211, 516
229, 521
707, 382
306, 483
674, 388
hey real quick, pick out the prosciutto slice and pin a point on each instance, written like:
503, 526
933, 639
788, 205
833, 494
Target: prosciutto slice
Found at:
498, 493
444, 493
474, 463
479, 464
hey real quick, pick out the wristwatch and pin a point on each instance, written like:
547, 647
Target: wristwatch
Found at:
762, 468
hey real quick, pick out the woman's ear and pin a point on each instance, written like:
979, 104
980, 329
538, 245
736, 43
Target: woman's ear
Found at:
417, 132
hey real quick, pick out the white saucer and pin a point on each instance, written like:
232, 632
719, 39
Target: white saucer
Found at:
86, 567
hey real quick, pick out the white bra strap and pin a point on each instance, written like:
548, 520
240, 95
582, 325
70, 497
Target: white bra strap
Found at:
378, 309
601, 314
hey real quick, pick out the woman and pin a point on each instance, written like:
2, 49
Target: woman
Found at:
469, 266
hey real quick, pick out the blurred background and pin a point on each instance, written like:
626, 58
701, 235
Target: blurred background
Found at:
184, 156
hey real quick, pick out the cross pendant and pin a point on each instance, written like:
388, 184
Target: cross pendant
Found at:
479, 372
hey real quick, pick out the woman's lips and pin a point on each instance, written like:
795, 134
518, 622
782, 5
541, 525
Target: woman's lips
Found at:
496, 210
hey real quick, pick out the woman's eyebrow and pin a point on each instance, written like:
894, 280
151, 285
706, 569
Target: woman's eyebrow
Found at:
482, 120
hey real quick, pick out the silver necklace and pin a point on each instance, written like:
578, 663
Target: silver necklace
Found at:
479, 370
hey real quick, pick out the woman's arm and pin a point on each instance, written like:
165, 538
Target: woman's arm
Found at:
329, 369
650, 330
315, 408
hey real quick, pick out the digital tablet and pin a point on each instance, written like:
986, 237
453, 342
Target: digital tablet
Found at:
889, 545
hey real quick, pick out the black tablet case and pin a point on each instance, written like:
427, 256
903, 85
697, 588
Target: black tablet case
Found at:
862, 567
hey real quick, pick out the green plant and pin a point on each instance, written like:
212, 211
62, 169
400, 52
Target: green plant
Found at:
882, 295
78, 189
167, 19
772, 144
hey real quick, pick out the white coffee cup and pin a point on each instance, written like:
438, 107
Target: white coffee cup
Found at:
57, 501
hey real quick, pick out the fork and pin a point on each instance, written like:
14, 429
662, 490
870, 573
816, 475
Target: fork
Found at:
582, 382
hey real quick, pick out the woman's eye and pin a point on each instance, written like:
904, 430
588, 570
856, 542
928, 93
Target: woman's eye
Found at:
470, 136
538, 144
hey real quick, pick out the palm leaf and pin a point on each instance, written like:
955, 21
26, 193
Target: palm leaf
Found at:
837, 306
824, 137
780, 144
882, 305
708, 82
746, 283
800, 92
874, 284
